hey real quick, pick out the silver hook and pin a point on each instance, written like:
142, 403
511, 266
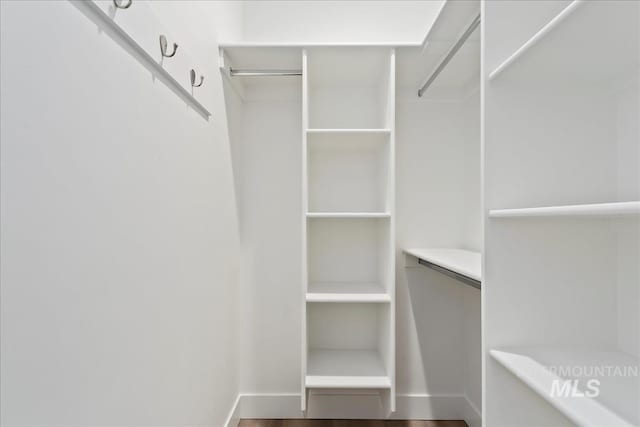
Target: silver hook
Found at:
163, 47
193, 79
119, 5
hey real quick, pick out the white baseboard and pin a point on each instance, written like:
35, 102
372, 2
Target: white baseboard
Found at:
358, 405
473, 416
234, 415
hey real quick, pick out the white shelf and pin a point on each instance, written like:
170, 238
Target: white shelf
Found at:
567, 11
617, 404
598, 209
349, 131
345, 369
576, 40
347, 292
466, 263
347, 215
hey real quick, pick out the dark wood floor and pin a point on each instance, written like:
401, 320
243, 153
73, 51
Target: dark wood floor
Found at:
351, 423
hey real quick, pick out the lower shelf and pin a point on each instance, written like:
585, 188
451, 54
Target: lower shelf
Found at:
561, 377
346, 369
346, 292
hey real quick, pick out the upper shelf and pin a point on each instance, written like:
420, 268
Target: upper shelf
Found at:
619, 394
467, 264
594, 210
576, 40
462, 75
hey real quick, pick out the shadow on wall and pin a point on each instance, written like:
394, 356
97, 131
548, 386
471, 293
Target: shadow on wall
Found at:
436, 302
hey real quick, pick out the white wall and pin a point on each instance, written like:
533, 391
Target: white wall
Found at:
266, 159
119, 230
329, 21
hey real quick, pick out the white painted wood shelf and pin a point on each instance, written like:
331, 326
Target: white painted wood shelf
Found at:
595, 210
619, 398
346, 215
339, 131
544, 61
460, 261
347, 292
355, 369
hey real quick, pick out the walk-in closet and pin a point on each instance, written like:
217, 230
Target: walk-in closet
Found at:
315, 213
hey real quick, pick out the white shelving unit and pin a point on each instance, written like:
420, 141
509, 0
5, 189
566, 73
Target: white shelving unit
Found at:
348, 226
561, 136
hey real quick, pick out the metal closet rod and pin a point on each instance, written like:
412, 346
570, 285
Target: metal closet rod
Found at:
461, 277
258, 72
450, 55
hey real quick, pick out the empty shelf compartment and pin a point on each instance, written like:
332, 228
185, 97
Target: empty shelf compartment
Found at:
348, 172
346, 369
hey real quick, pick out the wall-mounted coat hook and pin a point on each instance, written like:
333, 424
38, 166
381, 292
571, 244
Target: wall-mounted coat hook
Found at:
163, 47
120, 4
193, 79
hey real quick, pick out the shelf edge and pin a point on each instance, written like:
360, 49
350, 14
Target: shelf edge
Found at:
596, 209
548, 27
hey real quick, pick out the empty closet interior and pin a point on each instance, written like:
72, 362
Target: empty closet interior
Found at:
325, 226
346, 178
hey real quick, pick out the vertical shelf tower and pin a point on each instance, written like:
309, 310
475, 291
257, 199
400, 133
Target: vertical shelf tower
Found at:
348, 238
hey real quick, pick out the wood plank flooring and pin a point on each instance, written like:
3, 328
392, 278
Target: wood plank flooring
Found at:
350, 423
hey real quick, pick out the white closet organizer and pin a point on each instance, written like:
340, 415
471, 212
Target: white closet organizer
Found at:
348, 229
348, 236
350, 206
562, 228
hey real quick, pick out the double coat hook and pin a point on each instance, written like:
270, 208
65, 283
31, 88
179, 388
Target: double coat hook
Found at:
193, 79
163, 47
122, 5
